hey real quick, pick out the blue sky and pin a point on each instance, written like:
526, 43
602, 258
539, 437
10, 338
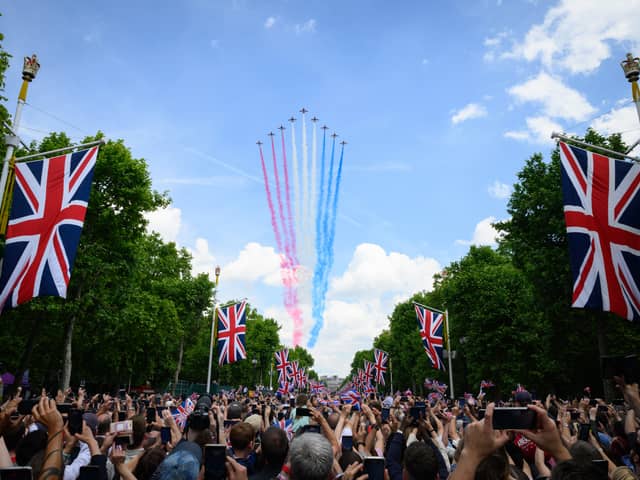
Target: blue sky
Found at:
441, 103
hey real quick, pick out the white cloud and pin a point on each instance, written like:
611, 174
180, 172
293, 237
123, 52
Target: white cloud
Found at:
307, 27
484, 233
469, 111
373, 272
255, 263
576, 35
203, 260
623, 120
270, 22
557, 99
166, 222
499, 190
539, 131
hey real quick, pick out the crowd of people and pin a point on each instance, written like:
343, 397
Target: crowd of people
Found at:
262, 435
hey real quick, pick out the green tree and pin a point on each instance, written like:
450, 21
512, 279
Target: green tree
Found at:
358, 361
4, 114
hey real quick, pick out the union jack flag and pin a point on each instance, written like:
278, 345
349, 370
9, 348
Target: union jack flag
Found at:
183, 412
317, 387
282, 364
286, 425
301, 381
49, 204
601, 196
368, 370
434, 397
428, 383
285, 388
351, 397
368, 389
294, 372
381, 358
430, 324
486, 384
231, 330
440, 387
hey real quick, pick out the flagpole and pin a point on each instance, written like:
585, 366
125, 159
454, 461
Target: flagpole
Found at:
214, 325
391, 375
446, 322
29, 70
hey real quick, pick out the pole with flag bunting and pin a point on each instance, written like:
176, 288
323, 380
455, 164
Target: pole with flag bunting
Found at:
214, 324
29, 71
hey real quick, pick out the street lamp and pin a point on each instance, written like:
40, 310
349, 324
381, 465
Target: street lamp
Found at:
631, 68
254, 362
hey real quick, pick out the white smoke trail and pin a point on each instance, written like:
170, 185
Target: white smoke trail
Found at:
304, 181
296, 179
313, 199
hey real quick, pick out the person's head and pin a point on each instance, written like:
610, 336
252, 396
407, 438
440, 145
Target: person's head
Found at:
623, 473
148, 463
139, 429
301, 400
494, 467
255, 421
523, 398
573, 470
182, 464
241, 436
311, 457
29, 445
348, 457
234, 411
333, 420
12, 436
584, 452
420, 462
275, 446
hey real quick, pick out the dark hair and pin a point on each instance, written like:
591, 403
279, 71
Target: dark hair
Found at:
29, 445
301, 400
241, 435
347, 458
493, 467
275, 446
584, 452
148, 463
420, 461
573, 470
139, 429
12, 436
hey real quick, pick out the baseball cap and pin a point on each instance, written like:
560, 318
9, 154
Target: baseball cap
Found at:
183, 463
523, 398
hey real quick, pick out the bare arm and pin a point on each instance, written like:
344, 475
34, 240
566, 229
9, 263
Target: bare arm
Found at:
47, 413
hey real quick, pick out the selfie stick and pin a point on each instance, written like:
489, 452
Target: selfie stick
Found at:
214, 323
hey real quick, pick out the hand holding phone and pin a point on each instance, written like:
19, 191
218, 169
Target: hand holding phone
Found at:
374, 467
514, 418
214, 462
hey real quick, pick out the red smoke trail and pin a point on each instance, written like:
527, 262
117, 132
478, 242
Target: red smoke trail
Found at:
292, 233
285, 234
274, 223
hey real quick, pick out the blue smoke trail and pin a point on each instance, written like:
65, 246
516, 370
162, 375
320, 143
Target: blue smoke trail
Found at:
334, 209
322, 263
316, 311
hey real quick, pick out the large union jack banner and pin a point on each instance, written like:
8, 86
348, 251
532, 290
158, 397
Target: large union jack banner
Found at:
430, 324
49, 204
602, 214
381, 365
231, 333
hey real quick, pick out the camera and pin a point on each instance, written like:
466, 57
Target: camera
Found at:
199, 418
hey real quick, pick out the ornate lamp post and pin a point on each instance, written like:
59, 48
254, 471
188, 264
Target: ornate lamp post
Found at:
214, 321
631, 68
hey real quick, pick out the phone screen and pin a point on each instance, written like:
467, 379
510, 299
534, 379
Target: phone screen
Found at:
303, 412
16, 473
165, 435
514, 418
75, 421
89, 472
122, 416
583, 433
347, 442
214, 458
25, 406
385, 413
374, 467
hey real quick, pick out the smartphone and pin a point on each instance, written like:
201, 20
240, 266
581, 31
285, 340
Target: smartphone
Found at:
64, 407
619, 402
123, 441
230, 423
214, 458
122, 416
416, 411
374, 467
165, 435
603, 408
575, 415
89, 472
25, 406
602, 466
514, 418
385, 413
16, 473
461, 403
151, 415
583, 433
303, 412
292, 402
75, 421
404, 398
122, 394
347, 442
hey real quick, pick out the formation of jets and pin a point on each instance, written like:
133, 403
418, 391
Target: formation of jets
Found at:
314, 120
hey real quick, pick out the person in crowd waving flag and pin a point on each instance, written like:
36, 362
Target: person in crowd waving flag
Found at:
486, 384
440, 387
428, 383
351, 397
182, 412
232, 321
282, 364
381, 358
301, 381
434, 397
285, 388
603, 230
48, 208
369, 389
430, 325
